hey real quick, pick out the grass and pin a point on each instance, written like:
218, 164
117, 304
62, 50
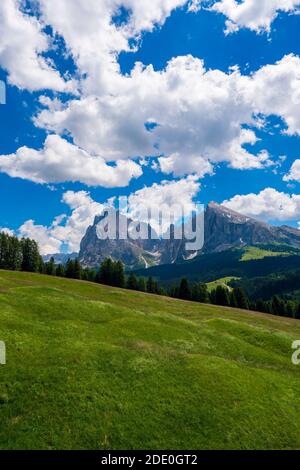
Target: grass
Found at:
221, 282
90, 367
254, 253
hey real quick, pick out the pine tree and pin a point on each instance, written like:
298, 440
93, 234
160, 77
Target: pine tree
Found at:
106, 272
222, 296
184, 290
60, 270
77, 269
91, 275
70, 269
241, 298
50, 267
200, 293
290, 309
132, 282
119, 275
30, 255
261, 306
278, 306
142, 284
41, 266
174, 292
232, 299
151, 285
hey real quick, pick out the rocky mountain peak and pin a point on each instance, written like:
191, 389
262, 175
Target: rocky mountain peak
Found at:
224, 229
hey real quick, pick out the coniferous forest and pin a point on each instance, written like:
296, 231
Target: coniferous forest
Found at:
23, 255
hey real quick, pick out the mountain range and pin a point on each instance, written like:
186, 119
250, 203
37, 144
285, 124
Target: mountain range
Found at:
224, 229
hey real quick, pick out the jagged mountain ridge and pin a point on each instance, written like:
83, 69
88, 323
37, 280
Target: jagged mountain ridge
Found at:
224, 229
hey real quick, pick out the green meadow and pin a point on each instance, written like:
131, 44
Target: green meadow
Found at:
94, 367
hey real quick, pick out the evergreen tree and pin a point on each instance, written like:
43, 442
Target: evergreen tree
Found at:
162, 291
70, 269
278, 306
151, 285
41, 266
106, 272
213, 298
77, 269
290, 309
232, 299
30, 255
241, 298
261, 306
60, 270
184, 290
91, 275
50, 267
200, 293
132, 282
142, 284
174, 292
119, 275
222, 296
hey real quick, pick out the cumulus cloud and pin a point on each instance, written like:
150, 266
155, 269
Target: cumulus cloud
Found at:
95, 40
7, 231
22, 44
48, 244
294, 173
61, 161
172, 195
256, 15
186, 117
189, 132
268, 205
65, 231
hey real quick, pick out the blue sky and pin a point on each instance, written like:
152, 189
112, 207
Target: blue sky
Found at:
91, 76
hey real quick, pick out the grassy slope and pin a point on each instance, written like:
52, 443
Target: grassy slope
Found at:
221, 282
93, 367
254, 253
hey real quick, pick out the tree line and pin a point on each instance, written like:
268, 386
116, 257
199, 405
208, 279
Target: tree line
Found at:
112, 273
19, 255
23, 255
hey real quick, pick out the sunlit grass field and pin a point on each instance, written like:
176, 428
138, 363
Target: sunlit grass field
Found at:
92, 367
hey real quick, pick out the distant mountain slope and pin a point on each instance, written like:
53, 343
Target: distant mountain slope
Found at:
209, 267
224, 229
60, 258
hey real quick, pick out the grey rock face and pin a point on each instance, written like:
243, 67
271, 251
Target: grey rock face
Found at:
224, 229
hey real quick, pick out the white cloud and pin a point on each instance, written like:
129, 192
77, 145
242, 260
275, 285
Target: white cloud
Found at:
256, 15
48, 244
164, 203
22, 44
294, 173
7, 231
65, 231
200, 117
95, 41
268, 205
192, 131
61, 161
